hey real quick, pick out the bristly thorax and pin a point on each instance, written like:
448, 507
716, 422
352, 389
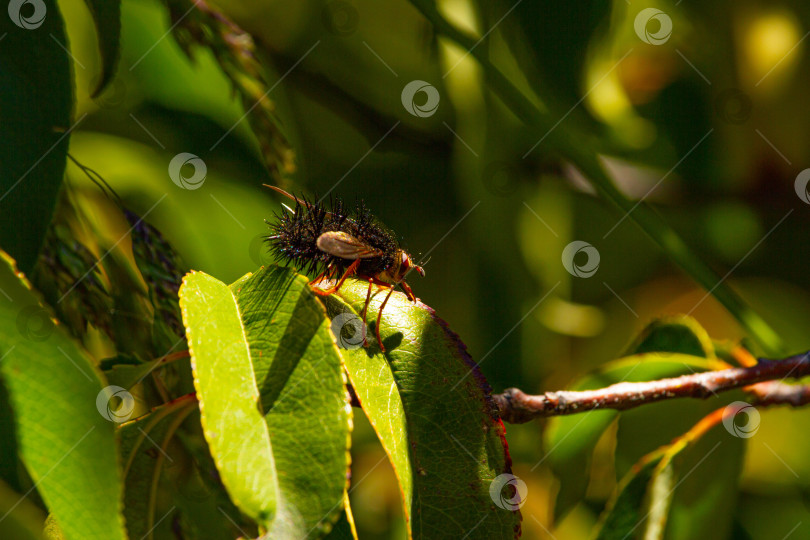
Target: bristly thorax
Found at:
295, 236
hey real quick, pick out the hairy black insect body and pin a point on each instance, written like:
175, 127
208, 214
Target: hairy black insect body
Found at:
296, 233
339, 243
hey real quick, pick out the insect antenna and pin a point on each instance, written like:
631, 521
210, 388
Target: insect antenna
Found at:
289, 196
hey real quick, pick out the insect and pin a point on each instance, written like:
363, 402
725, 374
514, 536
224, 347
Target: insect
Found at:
342, 242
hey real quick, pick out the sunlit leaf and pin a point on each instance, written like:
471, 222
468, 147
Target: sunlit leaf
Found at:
303, 396
456, 447
66, 444
229, 398
344, 529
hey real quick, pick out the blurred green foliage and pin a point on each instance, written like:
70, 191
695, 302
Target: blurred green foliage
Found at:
709, 127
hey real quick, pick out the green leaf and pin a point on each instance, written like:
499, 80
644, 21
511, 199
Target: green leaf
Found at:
373, 380
456, 445
107, 18
679, 334
659, 493
22, 520
162, 476
66, 444
303, 394
9, 451
686, 490
344, 529
625, 512
144, 450
701, 499
271, 325
127, 375
229, 398
36, 93
698, 508
52, 530
705, 502
668, 347
550, 41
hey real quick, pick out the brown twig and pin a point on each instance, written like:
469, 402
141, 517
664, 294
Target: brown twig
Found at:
763, 381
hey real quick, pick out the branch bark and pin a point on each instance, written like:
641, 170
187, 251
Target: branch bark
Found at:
762, 380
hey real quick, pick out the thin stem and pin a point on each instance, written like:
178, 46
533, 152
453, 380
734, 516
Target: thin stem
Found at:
573, 148
763, 381
184, 411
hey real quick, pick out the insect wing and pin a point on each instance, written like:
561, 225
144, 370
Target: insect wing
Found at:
346, 246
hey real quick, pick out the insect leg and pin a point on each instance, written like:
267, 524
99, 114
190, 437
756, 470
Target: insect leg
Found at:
379, 317
408, 291
365, 310
349, 271
317, 280
326, 274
